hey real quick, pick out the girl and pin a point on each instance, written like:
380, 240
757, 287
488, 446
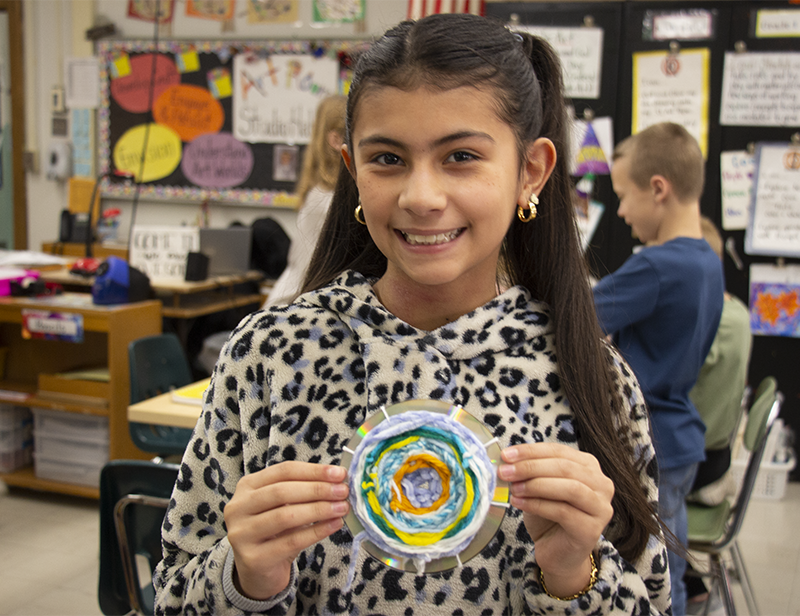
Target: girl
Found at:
448, 268
315, 189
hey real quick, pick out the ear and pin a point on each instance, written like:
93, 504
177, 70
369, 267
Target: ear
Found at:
661, 188
348, 161
539, 164
334, 140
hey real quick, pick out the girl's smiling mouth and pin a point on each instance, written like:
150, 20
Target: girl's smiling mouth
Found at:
431, 240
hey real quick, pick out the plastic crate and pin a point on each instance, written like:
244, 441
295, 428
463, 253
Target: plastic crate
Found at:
70, 425
69, 447
16, 437
771, 480
55, 447
67, 472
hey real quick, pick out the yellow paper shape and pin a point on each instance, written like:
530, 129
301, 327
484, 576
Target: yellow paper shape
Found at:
188, 62
164, 151
120, 66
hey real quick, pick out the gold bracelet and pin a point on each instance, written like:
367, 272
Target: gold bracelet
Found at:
592, 580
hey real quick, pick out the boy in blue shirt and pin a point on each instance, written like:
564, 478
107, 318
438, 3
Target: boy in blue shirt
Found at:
663, 305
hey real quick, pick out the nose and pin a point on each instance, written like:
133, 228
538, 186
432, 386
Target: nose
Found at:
423, 191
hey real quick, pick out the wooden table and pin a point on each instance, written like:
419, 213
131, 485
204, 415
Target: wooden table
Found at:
164, 411
181, 299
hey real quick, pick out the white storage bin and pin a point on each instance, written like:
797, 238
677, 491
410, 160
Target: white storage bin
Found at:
55, 447
67, 472
771, 479
16, 437
69, 447
70, 425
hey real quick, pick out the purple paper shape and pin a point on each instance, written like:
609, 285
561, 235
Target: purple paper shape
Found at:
217, 160
591, 158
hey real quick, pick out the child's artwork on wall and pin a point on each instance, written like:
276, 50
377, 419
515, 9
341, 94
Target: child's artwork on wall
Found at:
775, 300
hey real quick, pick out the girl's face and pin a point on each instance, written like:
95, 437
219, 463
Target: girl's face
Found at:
439, 177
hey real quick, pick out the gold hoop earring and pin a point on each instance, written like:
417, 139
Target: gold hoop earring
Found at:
359, 214
527, 215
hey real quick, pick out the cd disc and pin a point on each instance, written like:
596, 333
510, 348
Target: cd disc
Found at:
424, 490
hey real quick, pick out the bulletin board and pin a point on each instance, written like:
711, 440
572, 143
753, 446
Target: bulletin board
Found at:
222, 121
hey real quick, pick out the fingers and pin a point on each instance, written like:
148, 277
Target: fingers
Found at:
558, 483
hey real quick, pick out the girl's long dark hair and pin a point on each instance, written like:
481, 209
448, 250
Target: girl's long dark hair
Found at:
448, 51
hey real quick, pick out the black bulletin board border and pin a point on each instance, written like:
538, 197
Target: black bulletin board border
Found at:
258, 190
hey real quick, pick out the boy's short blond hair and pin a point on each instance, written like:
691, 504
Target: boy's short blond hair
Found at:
669, 150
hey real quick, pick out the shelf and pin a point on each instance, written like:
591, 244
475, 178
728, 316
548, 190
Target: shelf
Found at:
107, 332
26, 478
69, 407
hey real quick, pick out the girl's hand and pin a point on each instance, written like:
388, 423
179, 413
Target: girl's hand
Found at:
275, 514
566, 503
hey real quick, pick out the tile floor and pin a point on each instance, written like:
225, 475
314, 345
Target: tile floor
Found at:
49, 554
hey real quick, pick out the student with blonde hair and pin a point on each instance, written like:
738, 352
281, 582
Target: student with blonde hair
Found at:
663, 305
315, 190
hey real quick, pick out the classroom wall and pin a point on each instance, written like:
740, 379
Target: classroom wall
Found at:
54, 30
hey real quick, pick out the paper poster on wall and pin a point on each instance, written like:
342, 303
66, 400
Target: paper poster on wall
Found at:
777, 23
272, 11
337, 11
146, 10
218, 10
736, 175
671, 87
81, 130
82, 83
603, 130
760, 89
775, 300
581, 54
160, 250
774, 227
275, 98
683, 25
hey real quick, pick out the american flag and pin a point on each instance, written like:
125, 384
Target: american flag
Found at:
418, 9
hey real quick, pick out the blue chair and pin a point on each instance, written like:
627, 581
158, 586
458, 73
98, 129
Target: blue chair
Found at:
714, 530
158, 364
134, 495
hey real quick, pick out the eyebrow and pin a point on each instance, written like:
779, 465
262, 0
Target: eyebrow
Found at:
464, 134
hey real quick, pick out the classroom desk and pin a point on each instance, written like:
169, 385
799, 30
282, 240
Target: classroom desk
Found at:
181, 299
162, 410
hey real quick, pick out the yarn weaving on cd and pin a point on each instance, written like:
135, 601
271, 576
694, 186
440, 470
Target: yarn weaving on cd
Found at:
421, 485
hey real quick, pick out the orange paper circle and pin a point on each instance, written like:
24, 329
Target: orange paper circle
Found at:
189, 110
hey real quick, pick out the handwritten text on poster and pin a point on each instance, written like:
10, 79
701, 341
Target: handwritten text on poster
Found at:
672, 88
275, 98
761, 89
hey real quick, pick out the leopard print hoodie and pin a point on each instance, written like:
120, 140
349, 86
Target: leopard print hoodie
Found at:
294, 383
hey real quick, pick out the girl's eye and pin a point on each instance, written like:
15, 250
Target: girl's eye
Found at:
387, 159
460, 157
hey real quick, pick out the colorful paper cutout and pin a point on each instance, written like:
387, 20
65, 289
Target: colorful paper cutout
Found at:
272, 11
164, 150
189, 110
218, 10
217, 161
120, 65
132, 91
591, 158
188, 61
219, 83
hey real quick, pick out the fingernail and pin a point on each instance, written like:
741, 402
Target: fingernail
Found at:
340, 507
340, 490
336, 473
506, 471
511, 454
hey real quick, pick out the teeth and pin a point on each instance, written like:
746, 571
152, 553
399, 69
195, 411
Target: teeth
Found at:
430, 240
